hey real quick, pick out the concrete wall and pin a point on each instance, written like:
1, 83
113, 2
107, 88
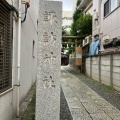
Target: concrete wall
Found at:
88, 67
95, 68
116, 71
92, 69
105, 69
8, 99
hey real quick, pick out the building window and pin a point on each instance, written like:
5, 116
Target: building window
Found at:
106, 8
67, 26
110, 5
69, 18
5, 47
114, 4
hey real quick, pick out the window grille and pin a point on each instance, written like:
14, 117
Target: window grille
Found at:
5, 46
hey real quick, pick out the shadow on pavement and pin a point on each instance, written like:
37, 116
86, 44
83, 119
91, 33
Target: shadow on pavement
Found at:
64, 109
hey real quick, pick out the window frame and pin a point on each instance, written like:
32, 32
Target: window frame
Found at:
108, 7
110, 10
118, 3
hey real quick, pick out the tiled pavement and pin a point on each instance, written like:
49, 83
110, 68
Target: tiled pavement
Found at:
83, 102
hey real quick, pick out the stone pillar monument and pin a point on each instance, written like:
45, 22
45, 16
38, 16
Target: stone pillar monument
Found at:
49, 61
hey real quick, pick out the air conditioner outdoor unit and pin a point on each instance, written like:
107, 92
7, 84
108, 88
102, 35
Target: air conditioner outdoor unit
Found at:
87, 40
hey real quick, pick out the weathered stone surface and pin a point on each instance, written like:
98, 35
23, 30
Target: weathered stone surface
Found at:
100, 116
80, 114
110, 110
115, 116
92, 108
49, 61
74, 103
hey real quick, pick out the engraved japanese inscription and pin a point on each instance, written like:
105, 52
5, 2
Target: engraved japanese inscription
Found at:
49, 61
50, 17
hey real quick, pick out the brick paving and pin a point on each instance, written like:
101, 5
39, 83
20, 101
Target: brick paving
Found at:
83, 102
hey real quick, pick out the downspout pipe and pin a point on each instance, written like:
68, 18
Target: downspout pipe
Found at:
18, 60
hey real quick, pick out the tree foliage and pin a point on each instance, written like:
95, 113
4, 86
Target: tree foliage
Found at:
64, 31
78, 2
82, 23
76, 15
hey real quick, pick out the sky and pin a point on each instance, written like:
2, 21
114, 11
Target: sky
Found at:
67, 5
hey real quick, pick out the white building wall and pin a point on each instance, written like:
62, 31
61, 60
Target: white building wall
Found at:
95, 5
90, 10
110, 24
28, 63
68, 14
6, 106
74, 4
66, 22
8, 100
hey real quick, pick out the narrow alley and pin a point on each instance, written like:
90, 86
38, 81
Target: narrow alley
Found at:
60, 59
78, 100
83, 102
